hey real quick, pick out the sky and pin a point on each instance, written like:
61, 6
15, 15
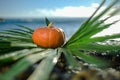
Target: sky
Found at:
47, 8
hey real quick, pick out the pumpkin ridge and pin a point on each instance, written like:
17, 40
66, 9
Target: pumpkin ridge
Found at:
55, 41
53, 37
49, 37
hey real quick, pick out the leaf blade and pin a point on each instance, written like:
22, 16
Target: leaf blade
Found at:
43, 71
47, 21
22, 65
92, 59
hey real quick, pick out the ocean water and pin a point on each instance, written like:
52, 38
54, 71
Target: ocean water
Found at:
69, 25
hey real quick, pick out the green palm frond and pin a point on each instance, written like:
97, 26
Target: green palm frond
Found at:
83, 38
16, 46
71, 61
13, 56
92, 59
97, 47
91, 24
24, 28
24, 63
16, 39
44, 69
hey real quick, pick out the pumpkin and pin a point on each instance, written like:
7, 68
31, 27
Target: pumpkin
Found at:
49, 36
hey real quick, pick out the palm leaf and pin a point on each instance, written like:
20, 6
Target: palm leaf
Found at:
13, 56
103, 38
4, 44
25, 28
71, 61
42, 72
20, 48
86, 27
23, 64
96, 28
17, 33
21, 35
92, 59
15, 38
83, 26
97, 47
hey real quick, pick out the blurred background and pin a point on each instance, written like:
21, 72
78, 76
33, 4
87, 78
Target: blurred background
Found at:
67, 14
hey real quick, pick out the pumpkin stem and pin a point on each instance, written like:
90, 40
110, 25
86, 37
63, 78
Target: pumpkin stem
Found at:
50, 25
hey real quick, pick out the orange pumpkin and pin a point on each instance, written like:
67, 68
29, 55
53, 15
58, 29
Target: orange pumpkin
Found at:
48, 36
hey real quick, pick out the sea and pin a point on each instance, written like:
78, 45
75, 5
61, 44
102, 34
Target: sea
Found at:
69, 25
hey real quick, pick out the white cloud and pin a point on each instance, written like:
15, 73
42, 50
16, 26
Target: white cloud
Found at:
68, 11
74, 11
